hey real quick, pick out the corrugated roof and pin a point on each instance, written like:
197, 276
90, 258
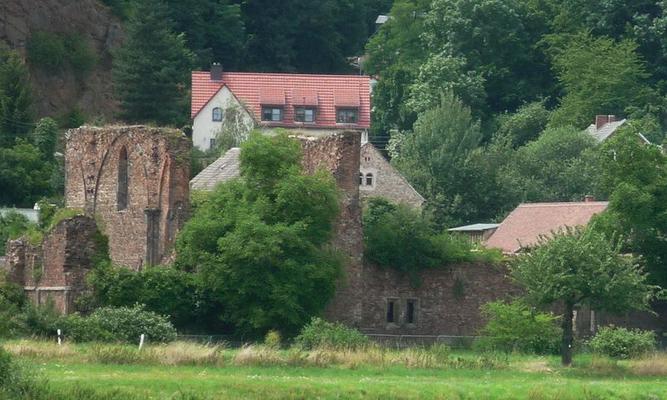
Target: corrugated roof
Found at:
473, 227
523, 227
221, 170
254, 88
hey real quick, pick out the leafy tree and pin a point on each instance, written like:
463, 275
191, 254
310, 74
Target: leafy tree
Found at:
497, 40
607, 85
577, 268
151, 70
558, 166
12, 226
24, 176
214, 30
431, 157
15, 98
45, 136
259, 242
635, 175
525, 124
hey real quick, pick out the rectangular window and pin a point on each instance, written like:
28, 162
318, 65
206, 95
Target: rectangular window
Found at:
272, 114
211, 143
302, 114
392, 310
347, 115
411, 311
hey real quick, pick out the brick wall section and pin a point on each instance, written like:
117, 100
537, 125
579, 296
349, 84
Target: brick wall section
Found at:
158, 187
448, 299
387, 181
339, 154
55, 269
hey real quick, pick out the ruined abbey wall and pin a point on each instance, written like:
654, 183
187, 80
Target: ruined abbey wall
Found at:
135, 180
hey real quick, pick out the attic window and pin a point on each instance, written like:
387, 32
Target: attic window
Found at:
272, 114
304, 114
217, 114
347, 115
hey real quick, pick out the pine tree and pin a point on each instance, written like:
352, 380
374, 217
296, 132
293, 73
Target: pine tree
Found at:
15, 98
151, 69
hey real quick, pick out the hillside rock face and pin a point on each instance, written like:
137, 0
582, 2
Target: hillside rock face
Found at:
58, 92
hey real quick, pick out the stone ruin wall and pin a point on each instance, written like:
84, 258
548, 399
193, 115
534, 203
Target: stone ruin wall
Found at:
339, 154
55, 269
158, 172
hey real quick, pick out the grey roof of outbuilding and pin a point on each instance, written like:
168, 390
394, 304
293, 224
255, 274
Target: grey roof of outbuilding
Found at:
221, 170
473, 227
30, 213
607, 130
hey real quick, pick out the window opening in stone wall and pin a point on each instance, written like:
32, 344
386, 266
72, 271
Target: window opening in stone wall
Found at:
369, 179
217, 114
411, 311
361, 179
122, 191
391, 311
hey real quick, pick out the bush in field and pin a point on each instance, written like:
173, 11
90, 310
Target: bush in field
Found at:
622, 343
516, 327
126, 324
12, 299
319, 333
16, 382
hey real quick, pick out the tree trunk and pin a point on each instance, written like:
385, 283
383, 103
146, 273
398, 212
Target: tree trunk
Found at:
566, 346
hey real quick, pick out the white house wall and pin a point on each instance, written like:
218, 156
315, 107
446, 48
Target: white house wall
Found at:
204, 128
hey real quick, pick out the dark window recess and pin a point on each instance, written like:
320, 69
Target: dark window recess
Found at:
369, 179
272, 114
410, 311
391, 311
347, 115
123, 176
361, 179
212, 143
302, 114
217, 114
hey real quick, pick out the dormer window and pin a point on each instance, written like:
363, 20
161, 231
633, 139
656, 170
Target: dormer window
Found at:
347, 115
217, 114
304, 114
273, 114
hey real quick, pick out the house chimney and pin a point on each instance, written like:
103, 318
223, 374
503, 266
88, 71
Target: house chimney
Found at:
602, 120
216, 72
589, 198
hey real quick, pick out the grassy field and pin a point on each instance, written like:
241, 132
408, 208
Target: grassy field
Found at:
182, 371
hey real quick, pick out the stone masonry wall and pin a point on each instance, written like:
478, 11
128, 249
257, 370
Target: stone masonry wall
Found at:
447, 300
56, 268
339, 154
387, 181
142, 231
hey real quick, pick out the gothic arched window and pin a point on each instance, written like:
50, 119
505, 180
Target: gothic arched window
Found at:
122, 190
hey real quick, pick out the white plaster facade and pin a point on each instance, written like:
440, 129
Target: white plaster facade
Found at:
204, 128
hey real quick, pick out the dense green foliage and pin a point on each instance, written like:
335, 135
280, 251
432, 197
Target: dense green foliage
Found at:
15, 98
622, 343
12, 226
581, 267
151, 69
399, 237
55, 52
321, 334
517, 327
118, 324
162, 290
259, 242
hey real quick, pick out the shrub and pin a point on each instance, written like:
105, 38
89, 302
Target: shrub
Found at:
273, 339
319, 333
12, 299
47, 50
12, 226
126, 324
516, 327
622, 343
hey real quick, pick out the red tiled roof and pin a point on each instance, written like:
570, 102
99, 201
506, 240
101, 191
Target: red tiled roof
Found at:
523, 227
324, 91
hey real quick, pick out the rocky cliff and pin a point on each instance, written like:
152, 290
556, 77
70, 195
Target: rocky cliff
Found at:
58, 92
